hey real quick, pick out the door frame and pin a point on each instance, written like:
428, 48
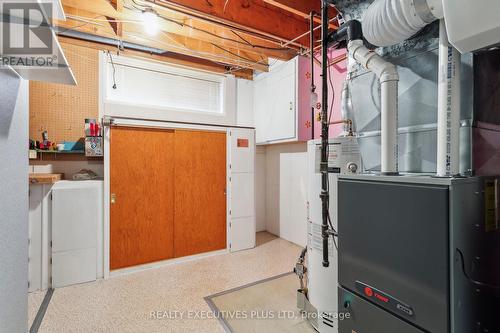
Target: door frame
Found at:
117, 121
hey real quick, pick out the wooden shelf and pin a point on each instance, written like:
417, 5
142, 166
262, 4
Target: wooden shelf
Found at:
60, 151
45, 178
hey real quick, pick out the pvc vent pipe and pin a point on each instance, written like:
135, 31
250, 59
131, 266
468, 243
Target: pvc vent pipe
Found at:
448, 133
389, 22
389, 79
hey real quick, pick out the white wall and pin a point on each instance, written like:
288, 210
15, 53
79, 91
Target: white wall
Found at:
244, 103
293, 197
14, 113
69, 168
294, 159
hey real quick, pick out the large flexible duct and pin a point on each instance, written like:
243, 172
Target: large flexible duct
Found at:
388, 22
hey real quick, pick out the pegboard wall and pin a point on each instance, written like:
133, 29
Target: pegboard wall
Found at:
61, 110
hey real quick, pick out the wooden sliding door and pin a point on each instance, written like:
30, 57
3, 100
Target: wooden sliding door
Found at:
168, 194
200, 192
141, 187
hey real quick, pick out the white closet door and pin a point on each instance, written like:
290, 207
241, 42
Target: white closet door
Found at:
242, 199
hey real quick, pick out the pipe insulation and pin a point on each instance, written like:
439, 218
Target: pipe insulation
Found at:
388, 22
389, 80
448, 132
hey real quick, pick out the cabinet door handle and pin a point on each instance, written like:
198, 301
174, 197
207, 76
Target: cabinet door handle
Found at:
291, 106
113, 198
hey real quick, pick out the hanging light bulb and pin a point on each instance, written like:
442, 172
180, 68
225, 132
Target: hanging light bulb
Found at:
150, 22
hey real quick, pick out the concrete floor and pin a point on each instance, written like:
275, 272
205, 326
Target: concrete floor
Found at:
146, 301
265, 305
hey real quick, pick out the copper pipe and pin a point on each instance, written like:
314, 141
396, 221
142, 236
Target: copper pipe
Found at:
347, 122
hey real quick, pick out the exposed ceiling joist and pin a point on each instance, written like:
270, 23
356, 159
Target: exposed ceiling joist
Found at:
178, 23
117, 4
302, 8
134, 32
297, 7
252, 15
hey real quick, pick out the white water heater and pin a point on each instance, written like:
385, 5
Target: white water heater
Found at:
343, 158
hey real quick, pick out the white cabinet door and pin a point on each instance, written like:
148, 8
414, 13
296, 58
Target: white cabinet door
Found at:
74, 218
281, 123
242, 233
275, 99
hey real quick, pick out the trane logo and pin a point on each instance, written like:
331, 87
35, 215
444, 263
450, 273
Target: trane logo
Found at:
387, 301
381, 298
370, 293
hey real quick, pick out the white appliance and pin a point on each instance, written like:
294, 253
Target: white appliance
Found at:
343, 158
77, 232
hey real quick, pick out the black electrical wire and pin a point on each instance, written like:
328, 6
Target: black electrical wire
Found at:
237, 55
215, 35
471, 280
114, 70
333, 93
328, 147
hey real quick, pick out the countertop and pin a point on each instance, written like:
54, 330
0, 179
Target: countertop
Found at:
45, 178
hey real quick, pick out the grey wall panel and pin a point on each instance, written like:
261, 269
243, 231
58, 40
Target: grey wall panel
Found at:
14, 109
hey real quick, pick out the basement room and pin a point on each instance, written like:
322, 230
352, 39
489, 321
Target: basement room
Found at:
244, 166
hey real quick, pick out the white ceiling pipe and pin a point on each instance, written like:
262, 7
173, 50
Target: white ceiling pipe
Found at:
388, 22
389, 79
448, 134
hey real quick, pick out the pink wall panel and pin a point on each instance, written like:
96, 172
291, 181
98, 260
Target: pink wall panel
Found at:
486, 149
338, 72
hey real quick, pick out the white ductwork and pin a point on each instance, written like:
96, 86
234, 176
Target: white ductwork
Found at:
448, 135
389, 78
388, 22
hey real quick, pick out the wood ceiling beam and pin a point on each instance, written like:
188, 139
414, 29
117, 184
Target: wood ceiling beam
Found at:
179, 60
303, 9
180, 24
298, 7
253, 15
195, 47
134, 33
117, 4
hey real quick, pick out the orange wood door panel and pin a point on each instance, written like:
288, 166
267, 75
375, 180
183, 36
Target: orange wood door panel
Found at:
200, 198
141, 179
